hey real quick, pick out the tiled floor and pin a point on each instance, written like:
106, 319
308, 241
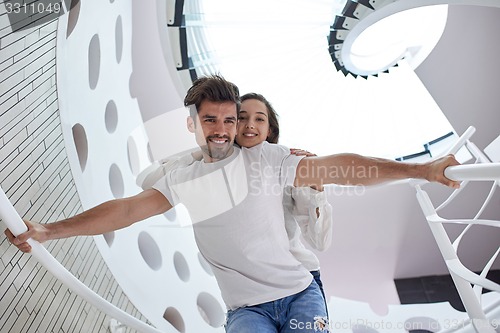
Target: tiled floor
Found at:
430, 289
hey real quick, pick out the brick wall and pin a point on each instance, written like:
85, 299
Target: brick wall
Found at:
35, 174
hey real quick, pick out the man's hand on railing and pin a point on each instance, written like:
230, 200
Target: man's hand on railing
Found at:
436, 171
35, 231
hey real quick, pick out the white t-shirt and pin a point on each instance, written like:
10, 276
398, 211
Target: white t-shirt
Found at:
301, 205
238, 220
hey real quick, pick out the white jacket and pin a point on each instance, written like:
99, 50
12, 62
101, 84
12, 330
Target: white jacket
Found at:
302, 205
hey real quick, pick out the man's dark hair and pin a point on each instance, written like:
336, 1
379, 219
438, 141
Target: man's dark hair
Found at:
213, 88
274, 125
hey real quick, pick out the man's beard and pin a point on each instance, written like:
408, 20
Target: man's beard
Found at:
215, 153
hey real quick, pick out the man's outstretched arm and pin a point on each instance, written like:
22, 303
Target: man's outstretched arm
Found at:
109, 216
353, 169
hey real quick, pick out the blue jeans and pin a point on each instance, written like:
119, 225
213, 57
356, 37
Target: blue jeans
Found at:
303, 312
317, 278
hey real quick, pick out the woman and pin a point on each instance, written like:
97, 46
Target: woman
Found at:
307, 211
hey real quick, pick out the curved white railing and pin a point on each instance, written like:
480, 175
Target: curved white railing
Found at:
481, 170
14, 222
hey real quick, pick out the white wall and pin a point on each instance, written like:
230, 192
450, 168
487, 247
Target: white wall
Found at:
463, 71
154, 82
35, 174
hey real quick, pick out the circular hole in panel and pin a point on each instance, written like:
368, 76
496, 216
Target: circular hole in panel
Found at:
81, 144
118, 39
210, 309
111, 116
149, 250
205, 265
181, 266
133, 156
109, 237
422, 324
173, 316
94, 61
73, 15
116, 181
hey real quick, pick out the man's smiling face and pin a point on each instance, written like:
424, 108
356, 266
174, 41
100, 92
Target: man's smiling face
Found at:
215, 129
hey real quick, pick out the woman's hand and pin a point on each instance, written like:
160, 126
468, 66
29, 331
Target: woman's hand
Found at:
301, 152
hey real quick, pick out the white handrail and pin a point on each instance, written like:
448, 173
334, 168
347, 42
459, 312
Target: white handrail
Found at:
16, 225
482, 171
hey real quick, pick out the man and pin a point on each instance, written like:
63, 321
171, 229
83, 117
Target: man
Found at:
234, 198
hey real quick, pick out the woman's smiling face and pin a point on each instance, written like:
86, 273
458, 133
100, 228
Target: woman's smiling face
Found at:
253, 123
